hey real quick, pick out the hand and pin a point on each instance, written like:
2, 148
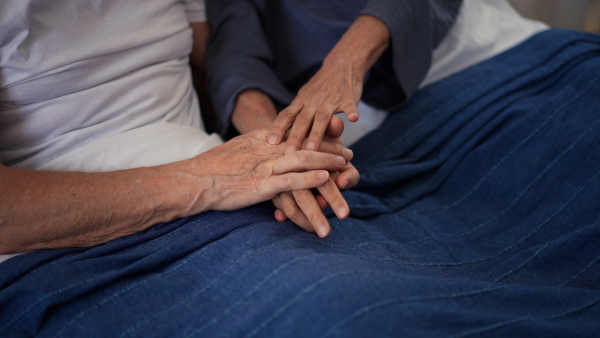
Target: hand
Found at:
246, 170
305, 209
255, 110
335, 88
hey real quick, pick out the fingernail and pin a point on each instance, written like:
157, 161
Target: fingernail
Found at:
340, 160
290, 149
342, 212
322, 230
323, 174
345, 185
348, 153
311, 146
354, 116
272, 139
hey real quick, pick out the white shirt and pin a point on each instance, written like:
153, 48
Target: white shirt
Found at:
78, 77
98, 85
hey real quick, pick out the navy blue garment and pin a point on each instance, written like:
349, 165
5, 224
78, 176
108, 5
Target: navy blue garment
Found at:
277, 46
477, 214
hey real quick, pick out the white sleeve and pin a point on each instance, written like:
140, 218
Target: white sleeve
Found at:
195, 10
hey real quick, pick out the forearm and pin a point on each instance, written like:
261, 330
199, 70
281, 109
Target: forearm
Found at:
254, 110
416, 28
361, 46
72, 209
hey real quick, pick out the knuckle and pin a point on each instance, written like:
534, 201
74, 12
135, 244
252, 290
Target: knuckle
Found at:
322, 115
287, 114
286, 182
314, 218
294, 139
302, 196
296, 105
315, 134
329, 106
293, 213
337, 148
278, 204
304, 118
301, 157
309, 179
254, 134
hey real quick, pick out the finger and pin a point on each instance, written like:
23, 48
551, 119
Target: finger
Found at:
319, 126
282, 123
299, 129
320, 199
335, 128
334, 197
307, 160
322, 202
348, 177
350, 110
334, 175
289, 208
336, 149
280, 215
333, 140
312, 211
293, 181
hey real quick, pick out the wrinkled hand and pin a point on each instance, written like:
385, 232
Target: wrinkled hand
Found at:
247, 170
305, 209
333, 89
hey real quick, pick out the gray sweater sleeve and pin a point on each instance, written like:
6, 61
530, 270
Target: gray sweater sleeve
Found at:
238, 58
416, 27
241, 52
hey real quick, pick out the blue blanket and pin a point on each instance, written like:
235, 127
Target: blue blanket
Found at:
478, 213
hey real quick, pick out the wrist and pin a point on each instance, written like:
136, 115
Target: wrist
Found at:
254, 110
182, 189
361, 46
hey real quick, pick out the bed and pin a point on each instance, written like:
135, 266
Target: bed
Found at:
477, 214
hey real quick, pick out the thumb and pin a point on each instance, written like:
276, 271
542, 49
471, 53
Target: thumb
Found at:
335, 127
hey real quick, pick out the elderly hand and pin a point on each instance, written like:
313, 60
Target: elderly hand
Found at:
247, 170
336, 87
254, 110
333, 89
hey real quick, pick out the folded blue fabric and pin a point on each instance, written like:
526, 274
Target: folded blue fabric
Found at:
478, 213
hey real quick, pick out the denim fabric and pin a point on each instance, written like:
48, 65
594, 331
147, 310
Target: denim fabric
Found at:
478, 213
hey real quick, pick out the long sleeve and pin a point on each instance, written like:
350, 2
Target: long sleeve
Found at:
416, 27
238, 58
277, 46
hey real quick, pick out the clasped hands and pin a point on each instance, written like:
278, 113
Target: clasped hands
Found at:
308, 122
308, 125
304, 207
247, 170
